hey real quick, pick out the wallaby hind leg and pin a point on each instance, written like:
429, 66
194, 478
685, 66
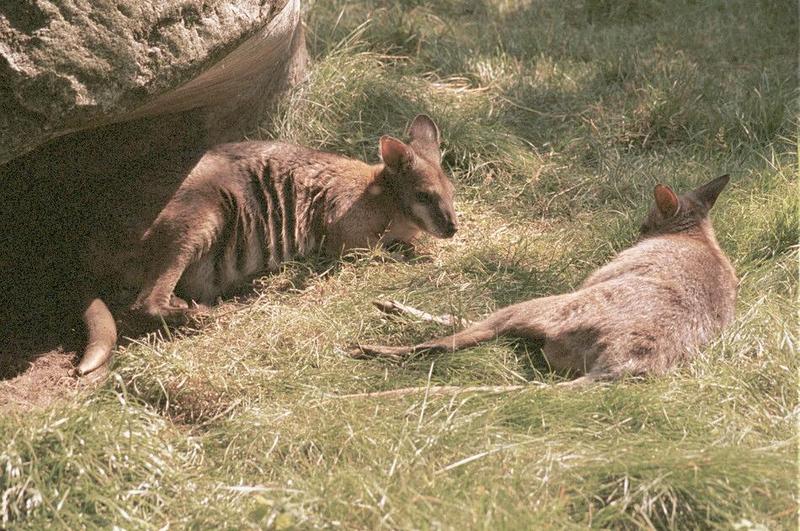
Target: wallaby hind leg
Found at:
470, 336
532, 319
170, 246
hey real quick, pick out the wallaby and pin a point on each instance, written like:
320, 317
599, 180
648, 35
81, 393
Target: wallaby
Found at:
641, 314
248, 207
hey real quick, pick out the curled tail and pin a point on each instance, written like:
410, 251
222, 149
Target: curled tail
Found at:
101, 331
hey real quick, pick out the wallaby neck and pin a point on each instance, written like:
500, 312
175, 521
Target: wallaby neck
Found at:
383, 189
701, 233
388, 201
705, 233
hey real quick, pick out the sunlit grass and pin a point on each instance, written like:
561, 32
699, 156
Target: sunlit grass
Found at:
557, 120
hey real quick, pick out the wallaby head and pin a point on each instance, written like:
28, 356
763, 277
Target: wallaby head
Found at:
414, 178
676, 213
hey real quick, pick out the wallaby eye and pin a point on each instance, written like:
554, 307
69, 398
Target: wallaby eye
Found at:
425, 198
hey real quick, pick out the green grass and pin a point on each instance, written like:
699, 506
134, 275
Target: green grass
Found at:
557, 120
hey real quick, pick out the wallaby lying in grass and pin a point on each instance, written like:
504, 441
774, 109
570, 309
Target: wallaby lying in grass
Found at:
250, 206
642, 313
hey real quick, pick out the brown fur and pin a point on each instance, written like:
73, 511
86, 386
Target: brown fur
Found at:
642, 313
246, 208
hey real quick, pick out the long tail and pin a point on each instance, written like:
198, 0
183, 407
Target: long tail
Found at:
532, 319
101, 331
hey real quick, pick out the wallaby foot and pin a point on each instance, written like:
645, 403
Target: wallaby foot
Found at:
472, 335
363, 352
174, 312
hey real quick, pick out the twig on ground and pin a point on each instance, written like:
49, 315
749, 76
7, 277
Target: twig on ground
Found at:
392, 307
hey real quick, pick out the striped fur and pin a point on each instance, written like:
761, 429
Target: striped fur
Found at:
248, 207
245, 209
271, 212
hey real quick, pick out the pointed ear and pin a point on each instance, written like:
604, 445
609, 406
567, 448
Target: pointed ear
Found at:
395, 153
666, 200
423, 129
425, 137
708, 192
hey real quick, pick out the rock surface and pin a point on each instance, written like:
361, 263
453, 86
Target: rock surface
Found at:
66, 65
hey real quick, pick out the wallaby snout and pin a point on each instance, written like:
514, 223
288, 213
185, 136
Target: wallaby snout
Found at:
451, 229
450, 225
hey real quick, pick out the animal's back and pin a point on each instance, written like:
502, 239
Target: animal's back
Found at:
648, 308
267, 199
677, 272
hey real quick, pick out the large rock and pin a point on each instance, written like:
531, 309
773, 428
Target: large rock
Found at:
67, 65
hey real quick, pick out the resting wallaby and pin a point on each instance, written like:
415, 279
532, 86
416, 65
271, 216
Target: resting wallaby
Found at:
642, 313
248, 207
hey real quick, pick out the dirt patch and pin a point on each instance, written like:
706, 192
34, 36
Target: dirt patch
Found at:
35, 368
39, 381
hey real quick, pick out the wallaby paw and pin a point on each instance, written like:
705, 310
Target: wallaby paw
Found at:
172, 315
401, 248
400, 251
177, 302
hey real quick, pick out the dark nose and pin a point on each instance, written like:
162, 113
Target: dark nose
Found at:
450, 230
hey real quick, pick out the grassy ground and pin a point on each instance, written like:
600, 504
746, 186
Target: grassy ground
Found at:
557, 118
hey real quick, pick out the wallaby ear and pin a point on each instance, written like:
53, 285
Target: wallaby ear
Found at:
424, 130
666, 200
708, 192
395, 153
425, 137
